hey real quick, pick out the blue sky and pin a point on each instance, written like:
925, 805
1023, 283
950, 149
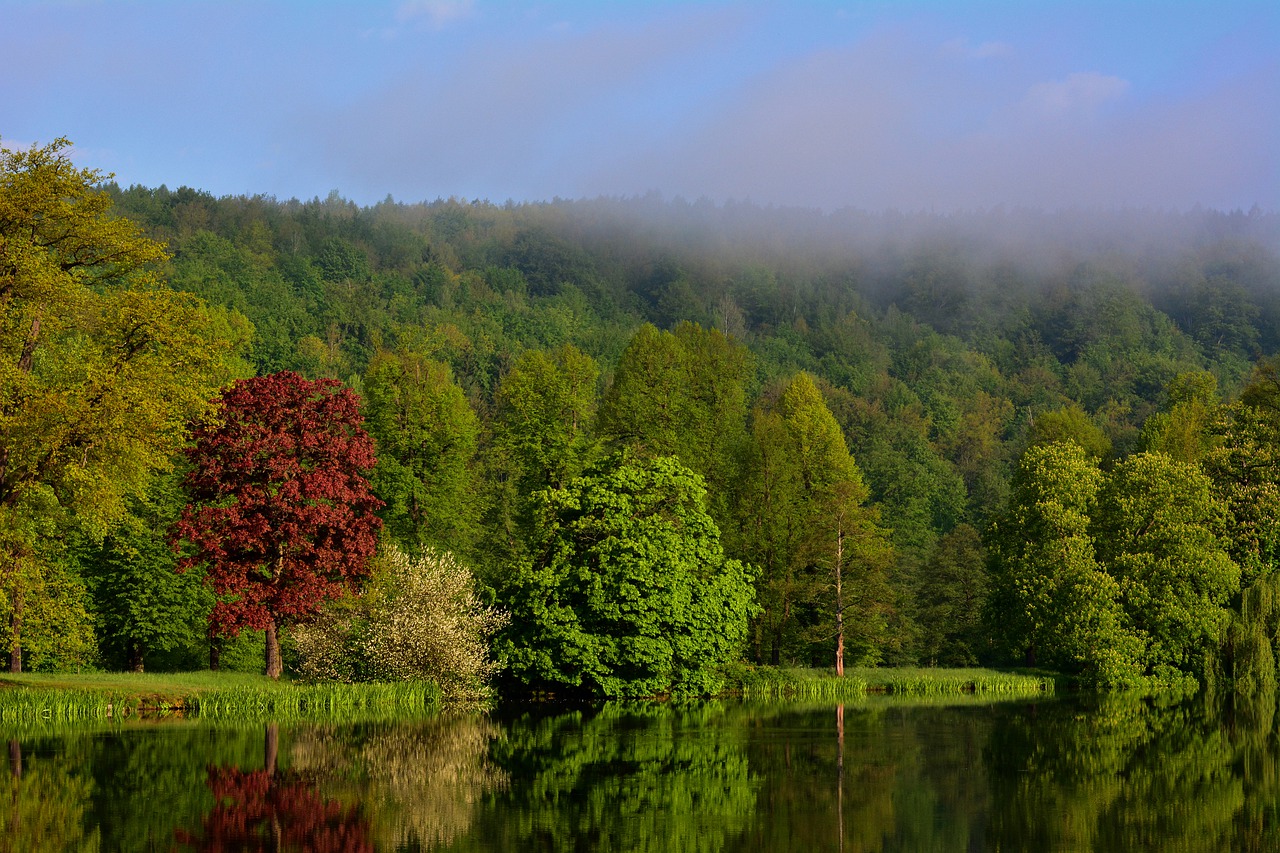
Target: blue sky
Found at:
907, 105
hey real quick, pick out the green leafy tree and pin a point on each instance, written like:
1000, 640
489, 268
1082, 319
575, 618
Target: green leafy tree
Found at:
541, 436
808, 525
1070, 423
426, 435
1157, 526
630, 593
952, 594
1051, 600
1183, 430
144, 608
101, 366
546, 406
682, 394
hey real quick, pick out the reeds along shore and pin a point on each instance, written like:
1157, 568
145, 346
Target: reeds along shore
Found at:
763, 682
64, 699
68, 699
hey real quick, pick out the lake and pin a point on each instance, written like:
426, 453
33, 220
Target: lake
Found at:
1107, 773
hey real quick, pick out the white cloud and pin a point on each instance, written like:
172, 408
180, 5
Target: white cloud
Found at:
960, 48
1081, 93
437, 13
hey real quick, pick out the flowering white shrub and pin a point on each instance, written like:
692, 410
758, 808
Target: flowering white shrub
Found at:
420, 618
429, 623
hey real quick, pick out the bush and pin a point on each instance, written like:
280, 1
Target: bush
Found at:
419, 618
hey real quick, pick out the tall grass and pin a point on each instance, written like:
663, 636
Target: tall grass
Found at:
336, 702
751, 682
218, 696
767, 682
918, 681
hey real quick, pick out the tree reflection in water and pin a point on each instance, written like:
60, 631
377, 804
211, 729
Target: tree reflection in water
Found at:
271, 810
1116, 772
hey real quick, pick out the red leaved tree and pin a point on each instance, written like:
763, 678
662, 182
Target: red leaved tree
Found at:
281, 513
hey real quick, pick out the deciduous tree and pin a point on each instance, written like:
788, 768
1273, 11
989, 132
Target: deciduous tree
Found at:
426, 434
1051, 600
281, 513
101, 365
630, 593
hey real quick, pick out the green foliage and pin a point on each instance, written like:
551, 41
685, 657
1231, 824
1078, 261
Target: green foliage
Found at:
1051, 599
951, 598
629, 593
144, 608
426, 435
804, 514
1247, 659
682, 394
101, 366
939, 347
1157, 529
1070, 423
1184, 429
1147, 601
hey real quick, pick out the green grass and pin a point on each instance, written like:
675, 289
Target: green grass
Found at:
60, 698
919, 681
751, 682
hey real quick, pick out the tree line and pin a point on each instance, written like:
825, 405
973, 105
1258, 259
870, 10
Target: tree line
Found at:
658, 433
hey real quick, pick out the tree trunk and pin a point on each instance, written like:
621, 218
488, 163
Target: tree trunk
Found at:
840, 777
271, 748
274, 666
15, 628
839, 561
133, 652
271, 756
215, 653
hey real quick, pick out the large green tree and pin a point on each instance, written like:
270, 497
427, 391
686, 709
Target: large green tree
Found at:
1051, 600
809, 528
1157, 527
101, 365
630, 593
426, 435
683, 394
541, 437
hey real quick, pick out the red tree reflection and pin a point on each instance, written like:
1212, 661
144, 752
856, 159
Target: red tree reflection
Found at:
261, 811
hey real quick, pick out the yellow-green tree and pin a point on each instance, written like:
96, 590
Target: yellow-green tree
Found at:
101, 364
822, 554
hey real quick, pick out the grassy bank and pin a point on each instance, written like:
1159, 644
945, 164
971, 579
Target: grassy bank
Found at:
213, 695
766, 681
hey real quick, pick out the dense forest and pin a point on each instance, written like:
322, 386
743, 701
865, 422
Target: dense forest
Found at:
994, 436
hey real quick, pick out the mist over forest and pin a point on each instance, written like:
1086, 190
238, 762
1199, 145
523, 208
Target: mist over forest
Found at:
943, 345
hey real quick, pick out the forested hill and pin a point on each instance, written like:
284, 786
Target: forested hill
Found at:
943, 345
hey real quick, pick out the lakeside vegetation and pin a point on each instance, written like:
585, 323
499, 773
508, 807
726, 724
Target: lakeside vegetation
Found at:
615, 447
65, 697
68, 697
797, 682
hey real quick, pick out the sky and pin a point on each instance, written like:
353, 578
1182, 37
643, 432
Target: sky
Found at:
908, 105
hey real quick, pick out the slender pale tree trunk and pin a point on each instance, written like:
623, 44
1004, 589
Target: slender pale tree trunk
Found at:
839, 561
271, 756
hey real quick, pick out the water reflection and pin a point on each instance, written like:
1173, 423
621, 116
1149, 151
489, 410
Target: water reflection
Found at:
1117, 772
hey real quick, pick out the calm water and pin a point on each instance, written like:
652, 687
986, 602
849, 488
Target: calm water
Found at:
1121, 773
